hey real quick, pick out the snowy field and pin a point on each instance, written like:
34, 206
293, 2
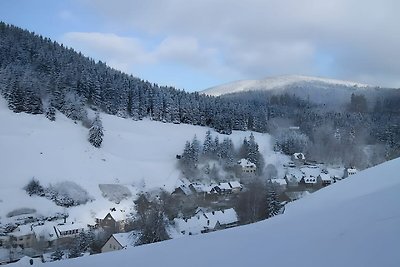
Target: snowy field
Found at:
140, 155
352, 223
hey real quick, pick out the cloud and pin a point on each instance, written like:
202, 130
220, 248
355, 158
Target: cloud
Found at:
261, 37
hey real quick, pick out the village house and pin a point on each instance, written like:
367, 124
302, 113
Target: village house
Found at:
120, 241
69, 230
112, 221
298, 158
349, 171
182, 190
308, 181
247, 167
324, 179
206, 222
227, 188
23, 236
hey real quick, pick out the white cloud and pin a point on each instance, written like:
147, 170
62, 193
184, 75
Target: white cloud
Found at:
258, 37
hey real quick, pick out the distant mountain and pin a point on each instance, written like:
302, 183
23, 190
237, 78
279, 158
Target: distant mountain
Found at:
330, 92
279, 82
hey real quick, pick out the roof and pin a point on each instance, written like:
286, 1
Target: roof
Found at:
311, 171
245, 163
296, 173
224, 186
126, 239
70, 226
205, 221
45, 231
325, 177
200, 188
299, 156
23, 230
119, 214
352, 170
235, 184
279, 181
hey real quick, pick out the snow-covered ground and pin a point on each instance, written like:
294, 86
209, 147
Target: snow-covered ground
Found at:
352, 223
272, 83
140, 155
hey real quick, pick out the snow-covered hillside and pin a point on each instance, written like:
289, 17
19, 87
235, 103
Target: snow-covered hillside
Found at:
274, 83
352, 223
137, 154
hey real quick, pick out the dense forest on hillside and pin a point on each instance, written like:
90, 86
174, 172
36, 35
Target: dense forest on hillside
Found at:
40, 76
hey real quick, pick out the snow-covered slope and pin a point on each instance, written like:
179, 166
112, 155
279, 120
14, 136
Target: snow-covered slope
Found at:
279, 82
137, 154
352, 223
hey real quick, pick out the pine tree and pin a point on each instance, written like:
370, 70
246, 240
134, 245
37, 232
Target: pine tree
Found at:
273, 205
96, 132
207, 145
57, 255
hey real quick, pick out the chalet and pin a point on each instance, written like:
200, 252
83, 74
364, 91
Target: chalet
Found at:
112, 221
324, 179
120, 241
247, 167
308, 181
227, 188
69, 230
206, 222
236, 186
349, 171
198, 188
298, 158
182, 190
23, 236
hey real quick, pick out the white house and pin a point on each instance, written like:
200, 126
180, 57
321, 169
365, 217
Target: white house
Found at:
120, 241
247, 166
349, 171
69, 229
23, 236
324, 179
299, 157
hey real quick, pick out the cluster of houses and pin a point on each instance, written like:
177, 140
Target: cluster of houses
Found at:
203, 222
186, 188
302, 177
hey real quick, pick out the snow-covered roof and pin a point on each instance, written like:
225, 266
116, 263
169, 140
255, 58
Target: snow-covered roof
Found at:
351, 171
295, 173
119, 213
22, 230
71, 226
279, 181
245, 163
299, 156
235, 184
201, 188
126, 239
45, 231
204, 221
311, 171
325, 177
224, 186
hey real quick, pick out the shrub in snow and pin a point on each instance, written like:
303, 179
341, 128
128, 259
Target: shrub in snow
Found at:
34, 188
67, 194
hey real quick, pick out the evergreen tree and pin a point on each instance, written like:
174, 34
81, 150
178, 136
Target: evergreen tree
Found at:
96, 132
57, 255
273, 205
207, 145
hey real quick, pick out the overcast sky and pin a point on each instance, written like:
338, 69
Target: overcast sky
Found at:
198, 44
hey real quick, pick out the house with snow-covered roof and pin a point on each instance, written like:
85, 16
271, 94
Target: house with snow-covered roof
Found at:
247, 167
298, 158
112, 220
120, 241
206, 222
349, 171
308, 181
69, 230
324, 179
23, 236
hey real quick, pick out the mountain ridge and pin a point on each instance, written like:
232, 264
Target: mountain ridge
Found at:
276, 82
